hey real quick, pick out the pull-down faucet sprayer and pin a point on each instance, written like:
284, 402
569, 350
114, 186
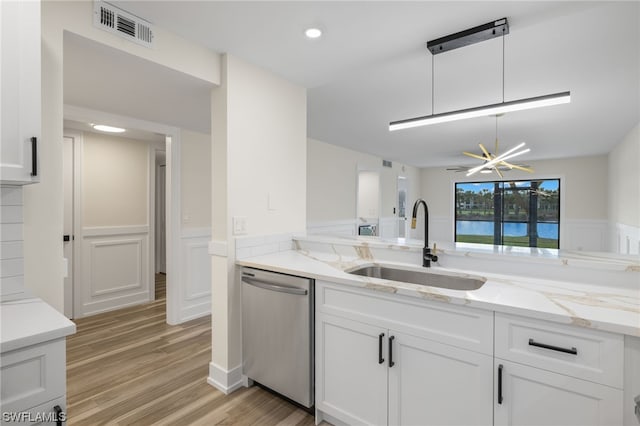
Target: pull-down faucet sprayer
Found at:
427, 257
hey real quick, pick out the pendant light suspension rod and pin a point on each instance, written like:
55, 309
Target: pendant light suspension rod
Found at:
464, 38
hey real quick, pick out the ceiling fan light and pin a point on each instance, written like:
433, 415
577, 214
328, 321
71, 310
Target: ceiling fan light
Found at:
481, 111
502, 157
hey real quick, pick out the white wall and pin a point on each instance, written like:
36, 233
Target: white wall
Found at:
332, 176
624, 194
583, 209
195, 179
43, 210
259, 173
115, 181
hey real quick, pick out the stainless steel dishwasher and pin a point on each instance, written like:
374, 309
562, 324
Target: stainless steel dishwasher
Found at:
278, 333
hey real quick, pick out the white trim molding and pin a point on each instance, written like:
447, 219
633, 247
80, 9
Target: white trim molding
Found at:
225, 381
218, 248
195, 275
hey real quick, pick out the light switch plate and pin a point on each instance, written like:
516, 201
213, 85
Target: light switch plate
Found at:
239, 225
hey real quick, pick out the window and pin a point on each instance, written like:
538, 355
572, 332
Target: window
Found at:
514, 213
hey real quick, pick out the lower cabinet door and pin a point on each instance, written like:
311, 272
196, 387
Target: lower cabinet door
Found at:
435, 384
531, 396
351, 383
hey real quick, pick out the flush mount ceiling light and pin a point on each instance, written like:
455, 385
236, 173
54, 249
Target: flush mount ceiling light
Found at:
313, 33
477, 34
109, 129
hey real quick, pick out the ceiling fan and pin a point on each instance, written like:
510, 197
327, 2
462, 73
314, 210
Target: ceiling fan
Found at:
494, 162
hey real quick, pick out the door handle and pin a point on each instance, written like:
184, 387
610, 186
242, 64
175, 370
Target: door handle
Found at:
391, 339
380, 359
500, 384
34, 156
266, 285
572, 351
58, 411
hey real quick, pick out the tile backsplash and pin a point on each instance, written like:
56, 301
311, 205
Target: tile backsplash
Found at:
260, 245
11, 245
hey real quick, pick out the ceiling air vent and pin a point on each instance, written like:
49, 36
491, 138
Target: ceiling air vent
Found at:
386, 163
117, 21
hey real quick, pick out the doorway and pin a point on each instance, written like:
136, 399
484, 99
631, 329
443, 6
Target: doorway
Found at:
110, 201
403, 191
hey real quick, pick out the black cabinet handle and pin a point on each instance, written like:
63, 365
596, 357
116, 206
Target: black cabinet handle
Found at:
59, 415
380, 359
34, 156
500, 384
391, 363
572, 351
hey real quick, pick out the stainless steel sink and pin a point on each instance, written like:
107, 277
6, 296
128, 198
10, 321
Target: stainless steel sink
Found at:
442, 280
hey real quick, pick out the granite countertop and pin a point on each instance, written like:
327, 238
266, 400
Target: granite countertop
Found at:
607, 308
29, 321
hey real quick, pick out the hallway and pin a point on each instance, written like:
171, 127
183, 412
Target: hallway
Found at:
130, 367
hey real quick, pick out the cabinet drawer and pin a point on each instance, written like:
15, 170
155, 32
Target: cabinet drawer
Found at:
32, 376
464, 327
582, 353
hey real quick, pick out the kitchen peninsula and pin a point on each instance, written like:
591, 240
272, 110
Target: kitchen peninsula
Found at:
562, 326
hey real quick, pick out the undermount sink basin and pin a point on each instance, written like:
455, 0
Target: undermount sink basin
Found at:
450, 281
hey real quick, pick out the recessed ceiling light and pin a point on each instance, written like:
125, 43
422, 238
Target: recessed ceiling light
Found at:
110, 129
313, 33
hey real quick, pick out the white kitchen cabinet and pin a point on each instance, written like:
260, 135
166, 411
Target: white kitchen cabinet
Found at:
32, 361
20, 91
351, 383
531, 396
552, 374
435, 384
33, 380
370, 372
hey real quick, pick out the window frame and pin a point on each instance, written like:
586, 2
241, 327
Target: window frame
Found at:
503, 184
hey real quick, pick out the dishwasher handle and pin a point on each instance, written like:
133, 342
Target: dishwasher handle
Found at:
268, 285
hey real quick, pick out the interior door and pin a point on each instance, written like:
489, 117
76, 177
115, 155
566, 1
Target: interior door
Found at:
68, 240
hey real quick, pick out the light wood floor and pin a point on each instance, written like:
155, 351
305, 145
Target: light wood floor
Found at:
131, 367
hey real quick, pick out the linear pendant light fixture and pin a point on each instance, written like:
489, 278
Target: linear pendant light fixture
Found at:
463, 38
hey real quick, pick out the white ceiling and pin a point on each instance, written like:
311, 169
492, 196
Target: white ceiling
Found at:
371, 67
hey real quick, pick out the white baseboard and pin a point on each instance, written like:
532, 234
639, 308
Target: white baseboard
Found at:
225, 381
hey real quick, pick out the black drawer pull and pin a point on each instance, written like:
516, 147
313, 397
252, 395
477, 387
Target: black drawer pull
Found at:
391, 363
34, 156
380, 359
500, 384
59, 416
572, 351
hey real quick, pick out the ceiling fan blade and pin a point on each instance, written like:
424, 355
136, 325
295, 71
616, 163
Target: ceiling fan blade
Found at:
515, 166
486, 153
498, 172
470, 154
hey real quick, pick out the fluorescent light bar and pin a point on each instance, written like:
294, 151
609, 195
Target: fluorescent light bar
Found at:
499, 158
494, 109
110, 129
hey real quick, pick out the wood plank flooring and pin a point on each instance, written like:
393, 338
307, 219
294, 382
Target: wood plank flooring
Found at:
129, 367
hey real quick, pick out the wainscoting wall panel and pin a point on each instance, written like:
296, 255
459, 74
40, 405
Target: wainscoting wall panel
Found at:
195, 277
115, 269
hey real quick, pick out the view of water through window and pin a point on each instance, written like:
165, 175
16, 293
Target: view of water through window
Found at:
519, 213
